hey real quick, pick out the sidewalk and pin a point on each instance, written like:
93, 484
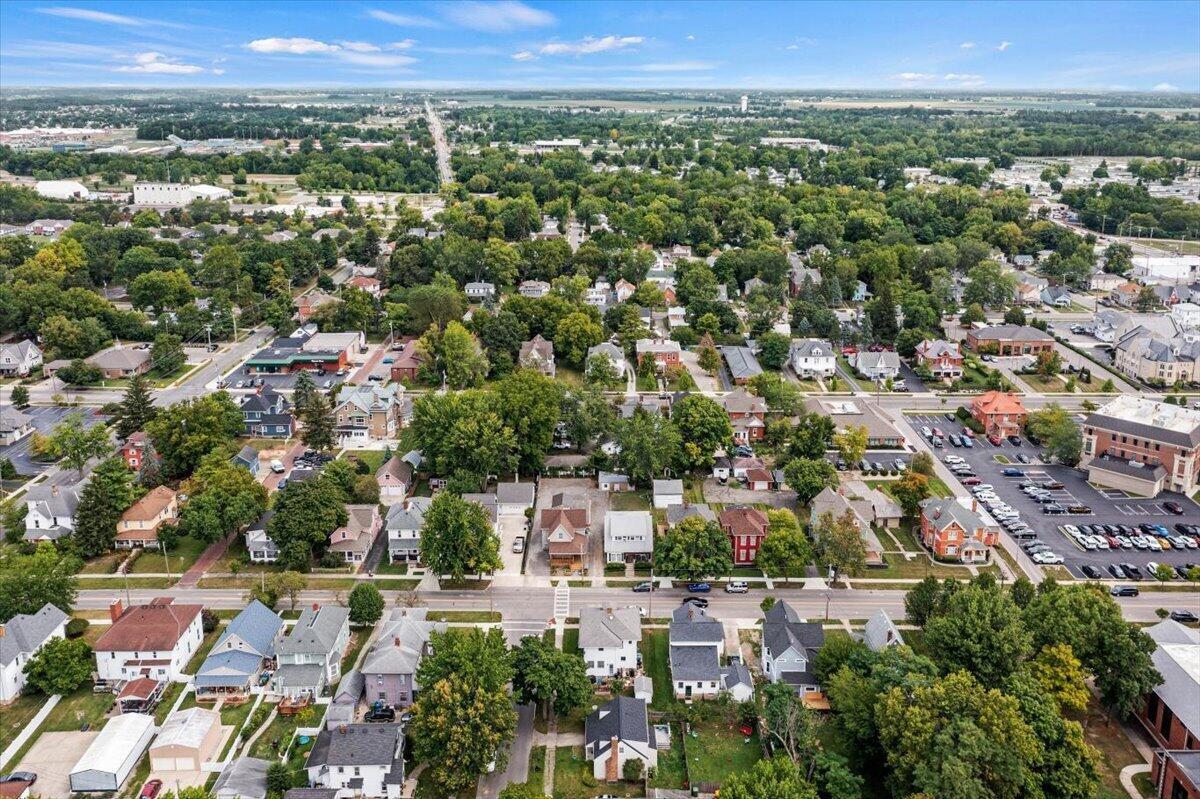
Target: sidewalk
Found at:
208, 557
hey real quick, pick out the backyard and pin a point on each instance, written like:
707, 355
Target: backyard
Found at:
573, 777
716, 748
655, 659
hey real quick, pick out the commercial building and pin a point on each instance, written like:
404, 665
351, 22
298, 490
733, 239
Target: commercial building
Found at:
173, 195
943, 359
121, 362
881, 433
1010, 340
61, 190
1142, 446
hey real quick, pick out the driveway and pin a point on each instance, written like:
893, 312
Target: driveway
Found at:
511, 526
52, 757
704, 381
271, 480
490, 785
538, 561
728, 495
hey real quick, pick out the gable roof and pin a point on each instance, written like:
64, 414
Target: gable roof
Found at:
812, 348
693, 625
244, 777
622, 717
741, 361
741, 401
1177, 658
26, 632
1011, 333
881, 632
150, 506
316, 631
942, 512
784, 629
401, 642
153, 627
609, 627
695, 663
741, 520
257, 625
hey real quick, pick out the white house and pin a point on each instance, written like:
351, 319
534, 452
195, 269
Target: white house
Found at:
358, 760
1186, 315
877, 365
154, 640
614, 354
668, 493
812, 357
403, 526
697, 643
479, 291
310, 657
609, 639
20, 358
24, 634
881, 632
790, 645
50, 511
14, 425
514, 498
628, 536
615, 733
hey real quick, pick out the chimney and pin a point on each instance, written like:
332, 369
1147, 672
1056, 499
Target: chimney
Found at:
1, 630
974, 505
610, 768
54, 491
396, 641
115, 610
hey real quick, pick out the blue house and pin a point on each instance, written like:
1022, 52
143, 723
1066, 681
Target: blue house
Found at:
268, 415
861, 292
245, 649
247, 458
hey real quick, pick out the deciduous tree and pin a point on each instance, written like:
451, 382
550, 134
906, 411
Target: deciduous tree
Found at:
457, 538
693, 550
60, 666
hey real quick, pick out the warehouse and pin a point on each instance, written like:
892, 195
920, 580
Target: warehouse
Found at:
61, 190
114, 754
187, 740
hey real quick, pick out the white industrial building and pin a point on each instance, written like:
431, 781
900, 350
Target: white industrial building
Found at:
61, 190
113, 754
176, 194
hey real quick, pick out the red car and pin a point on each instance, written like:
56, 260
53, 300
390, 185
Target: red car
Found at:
151, 789
971, 481
995, 440
968, 432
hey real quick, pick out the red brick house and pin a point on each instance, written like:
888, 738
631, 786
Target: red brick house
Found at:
134, 450
747, 414
404, 368
1176, 774
1000, 413
942, 358
746, 528
952, 531
665, 353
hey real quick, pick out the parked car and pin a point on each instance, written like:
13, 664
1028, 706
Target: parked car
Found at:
1184, 617
519, 544
277, 466
737, 587
698, 601
1091, 571
1173, 507
1012, 472
151, 789
381, 713
1014, 440
643, 587
699, 588
1124, 590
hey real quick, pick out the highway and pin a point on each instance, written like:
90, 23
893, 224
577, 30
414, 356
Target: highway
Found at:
445, 174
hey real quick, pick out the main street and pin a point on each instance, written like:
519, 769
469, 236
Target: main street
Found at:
445, 174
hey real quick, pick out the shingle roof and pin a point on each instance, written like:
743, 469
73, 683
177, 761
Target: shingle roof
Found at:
120, 358
692, 625
812, 348
25, 633
401, 643
1012, 333
783, 629
356, 745
600, 627
514, 493
742, 363
881, 631
155, 627
695, 663
621, 717
257, 625
244, 778
315, 633
677, 513
942, 512
668, 487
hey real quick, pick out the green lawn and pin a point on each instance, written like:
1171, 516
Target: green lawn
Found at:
201, 653
573, 777
716, 749
537, 768
234, 716
358, 639
571, 640
170, 694
71, 713
630, 500
670, 773
1116, 751
275, 738
15, 716
656, 651
472, 616
181, 556
372, 457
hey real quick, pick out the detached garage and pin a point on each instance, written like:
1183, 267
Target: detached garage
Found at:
114, 754
188, 739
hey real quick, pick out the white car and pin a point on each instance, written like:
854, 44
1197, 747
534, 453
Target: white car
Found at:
1153, 544
1047, 558
953, 459
1151, 568
1069, 529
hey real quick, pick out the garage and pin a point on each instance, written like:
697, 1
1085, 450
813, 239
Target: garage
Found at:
113, 755
187, 740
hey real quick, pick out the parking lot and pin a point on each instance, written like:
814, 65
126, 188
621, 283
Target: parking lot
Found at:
52, 757
886, 458
1108, 507
44, 419
245, 379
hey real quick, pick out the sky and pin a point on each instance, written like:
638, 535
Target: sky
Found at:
1122, 46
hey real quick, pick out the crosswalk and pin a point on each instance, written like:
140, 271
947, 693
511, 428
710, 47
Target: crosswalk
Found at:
562, 600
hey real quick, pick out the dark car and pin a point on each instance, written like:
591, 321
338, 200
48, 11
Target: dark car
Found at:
699, 588
642, 588
1091, 571
1184, 529
698, 601
1184, 616
1124, 590
1173, 507
25, 776
1131, 571
381, 713
949, 417
1011, 472
1014, 440
1182, 571
151, 789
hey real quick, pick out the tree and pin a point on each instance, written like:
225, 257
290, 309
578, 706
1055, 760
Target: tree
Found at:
305, 514
574, 335
103, 499
287, 583
910, 491
776, 778
28, 582
808, 477
185, 432
780, 395
791, 724
317, 417
840, 543
463, 717
279, 778
1049, 363
633, 770
20, 396
1061, 675
703, 427
774, 350
812, 436
927, 599
1058, 431
529, 403
79, 373
167, 354
693, 550
305, 390
851, 443
549, 677
457, 538
521, 790
649, 444
980, 631
1146, 300
222, 499
707, 356
76, 444
922, 463
137, 407
786, 551
60, 666
366, 604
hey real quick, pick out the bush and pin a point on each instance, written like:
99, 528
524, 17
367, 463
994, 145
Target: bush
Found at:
963, 413
77, 627
332, 560
208, 620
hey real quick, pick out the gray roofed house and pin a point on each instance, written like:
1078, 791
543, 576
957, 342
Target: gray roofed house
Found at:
310, 655
311, 793
693, 625
350, 689
697, 643
837, 503
243, 778
789, 646
613, 481
247, 458
538, 353
403, 526
881, 632
260, 546
50, 511
668, 493
877, 365
24, 635
677, 513
737, 680
366, 759
942, 512
390, 668
355, 540
623, 724
246, 646
19, 358
479, 290
695, 664
741, 362
14, 425
628, 535
612, 352
120, 362
514, 497
600, 627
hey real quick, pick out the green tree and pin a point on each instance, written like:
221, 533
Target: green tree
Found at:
529, 404
305, 514
693, 550
786, 551
812, 436
103, 499
317, 418
574, 335
366, 604
457, 538
707, 356
287, 583
28, 582
60, 666
1049, 363
1061, 675
791, 724
222, 499
549, 677
137, 407
703, 427
776, 778
840, 543
185, 432
910, 491
76, 444
305, 390
922, 463
851, 443
20, 396
649, 444
167, 354
521, 790
774, 350
279, 778
1058, 431
980, 631
808, 477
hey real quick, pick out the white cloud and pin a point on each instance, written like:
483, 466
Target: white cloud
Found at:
374, 59
590, 44
676, 66
967, 45
293, 46
91, 15
913, 76
961, 76
523, 55
1165, 87
691, 38
405, 44
361, 47
154, 63
218, 72
497, 17
1003, 46
407, 20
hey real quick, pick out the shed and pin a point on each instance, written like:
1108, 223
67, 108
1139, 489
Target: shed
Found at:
244, 778
114, 754
187, 740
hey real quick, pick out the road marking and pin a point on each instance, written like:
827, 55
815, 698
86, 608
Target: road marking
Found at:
562, 600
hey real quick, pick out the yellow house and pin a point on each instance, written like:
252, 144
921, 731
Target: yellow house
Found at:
139, 523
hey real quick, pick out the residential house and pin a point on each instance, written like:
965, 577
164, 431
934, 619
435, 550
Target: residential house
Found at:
1104, 281
139, 524
747, 415
19, 359
390, 668
942, 358
155, 640
863, 504
741, 363
1151, 358
746, 528
1125, 294
667, 493
404, 522
358, 760
861, 293
1056, 297
1109, 325
1022, 261
1029, 289
242, 778
533, 289
1010, 340
881, 632
247, 458
14, 425
537, 354
623, 289
369, 413
490, 507
738, 467
813, 357
846, 414
952, 529
354, 540
310, 655
764, 479
479, 291
790, 646
697, 646
23, 635
50, 511
245, 649
614, 354
407, 365
677, 513
613, 481
566, 533
665, 353
308, 304
133, 451
877, 366
609, 639
258, 544
121, 362
368, 284
268, 414
628, 536
1000, 412
1138, 445
616, 733
395, 478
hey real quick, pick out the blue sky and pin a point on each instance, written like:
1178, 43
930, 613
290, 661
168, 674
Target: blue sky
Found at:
518, 44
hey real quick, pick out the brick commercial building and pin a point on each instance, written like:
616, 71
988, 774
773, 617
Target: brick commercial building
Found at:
1000, 413
1010, 340
1171, 712
1142, 446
